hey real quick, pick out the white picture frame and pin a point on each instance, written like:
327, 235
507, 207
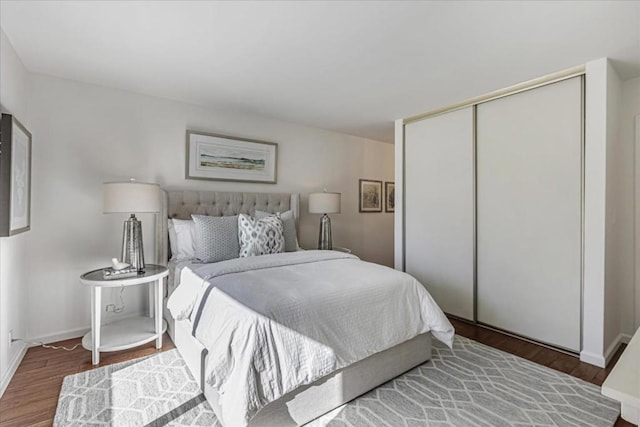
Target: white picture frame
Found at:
226, 158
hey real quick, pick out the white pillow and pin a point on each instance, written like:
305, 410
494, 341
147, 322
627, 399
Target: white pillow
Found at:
182, 238
260, 236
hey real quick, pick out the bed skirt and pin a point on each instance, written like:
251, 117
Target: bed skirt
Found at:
311, 401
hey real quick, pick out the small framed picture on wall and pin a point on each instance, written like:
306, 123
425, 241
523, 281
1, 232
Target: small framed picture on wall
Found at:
370, 195
389, 196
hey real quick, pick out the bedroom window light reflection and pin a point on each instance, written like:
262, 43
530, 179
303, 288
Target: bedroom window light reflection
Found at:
324, 203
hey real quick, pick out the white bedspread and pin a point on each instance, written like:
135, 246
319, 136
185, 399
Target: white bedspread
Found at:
275, 322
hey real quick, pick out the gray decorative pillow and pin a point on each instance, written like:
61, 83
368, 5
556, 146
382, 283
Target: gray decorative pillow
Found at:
260, 236
216, 237
288, 228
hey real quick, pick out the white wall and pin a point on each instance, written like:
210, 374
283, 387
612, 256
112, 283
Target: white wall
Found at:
595, 170
629, 110
89, 134
14, 81
621, 316
618, 251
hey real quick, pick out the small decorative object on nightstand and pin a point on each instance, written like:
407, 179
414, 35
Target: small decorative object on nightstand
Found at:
324, 203
130, 332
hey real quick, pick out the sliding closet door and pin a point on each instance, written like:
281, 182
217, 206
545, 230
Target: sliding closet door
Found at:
439, 208
529, 157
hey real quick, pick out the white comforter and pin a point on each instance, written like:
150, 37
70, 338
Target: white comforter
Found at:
275, 322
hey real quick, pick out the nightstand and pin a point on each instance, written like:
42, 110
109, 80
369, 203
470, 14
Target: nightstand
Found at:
129, 332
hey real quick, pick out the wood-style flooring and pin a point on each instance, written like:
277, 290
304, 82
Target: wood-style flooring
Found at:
544, 356
32, 396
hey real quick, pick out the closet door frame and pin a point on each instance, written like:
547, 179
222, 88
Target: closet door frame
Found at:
400, 161
637, 212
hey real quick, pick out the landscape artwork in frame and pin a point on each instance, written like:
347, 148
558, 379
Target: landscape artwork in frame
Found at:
370, 195
389, 196
227, 158
15, 177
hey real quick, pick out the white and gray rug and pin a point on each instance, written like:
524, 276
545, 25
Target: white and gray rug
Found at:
471, 385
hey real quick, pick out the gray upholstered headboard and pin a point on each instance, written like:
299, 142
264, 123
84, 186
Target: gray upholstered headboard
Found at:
182, 204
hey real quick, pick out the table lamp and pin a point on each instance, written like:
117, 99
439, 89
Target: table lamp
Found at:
324, 203
131, 197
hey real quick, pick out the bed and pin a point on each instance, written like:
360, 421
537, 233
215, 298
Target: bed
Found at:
329, 388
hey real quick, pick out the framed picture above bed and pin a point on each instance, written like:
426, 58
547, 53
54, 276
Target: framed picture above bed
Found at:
15, 177
228, 158
370, 195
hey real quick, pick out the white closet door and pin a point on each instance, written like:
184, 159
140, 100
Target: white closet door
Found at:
529, 161
439, 208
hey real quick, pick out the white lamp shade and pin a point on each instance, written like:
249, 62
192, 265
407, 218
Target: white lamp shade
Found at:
324, 203
130, 197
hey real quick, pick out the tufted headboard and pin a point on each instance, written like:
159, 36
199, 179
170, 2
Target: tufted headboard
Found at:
182, 204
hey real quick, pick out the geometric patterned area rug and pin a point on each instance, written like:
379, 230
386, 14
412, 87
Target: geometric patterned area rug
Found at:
471, 385
154, 390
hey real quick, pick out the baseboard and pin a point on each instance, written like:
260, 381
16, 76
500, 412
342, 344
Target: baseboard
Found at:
58, 336
602, 361
13, 367
592, 359
75, 333
611, 350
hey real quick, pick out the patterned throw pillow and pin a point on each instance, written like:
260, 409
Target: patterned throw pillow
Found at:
216, 237
288, 228
260, 236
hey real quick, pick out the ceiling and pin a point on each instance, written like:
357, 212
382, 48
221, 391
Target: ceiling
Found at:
351, 67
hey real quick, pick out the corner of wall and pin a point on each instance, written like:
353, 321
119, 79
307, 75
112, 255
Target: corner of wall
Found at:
14, 90
398, 243
595, 149
13, 367
614, 191
637, 214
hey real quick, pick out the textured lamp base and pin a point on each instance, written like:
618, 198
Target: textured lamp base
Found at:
324, 239
132, 250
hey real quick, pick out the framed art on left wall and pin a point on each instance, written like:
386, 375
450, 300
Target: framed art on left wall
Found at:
15, 177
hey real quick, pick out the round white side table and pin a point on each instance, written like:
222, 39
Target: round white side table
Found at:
129, 332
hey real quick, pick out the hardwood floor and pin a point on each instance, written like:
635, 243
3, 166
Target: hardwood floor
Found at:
32, 396
545, 356
536, 353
